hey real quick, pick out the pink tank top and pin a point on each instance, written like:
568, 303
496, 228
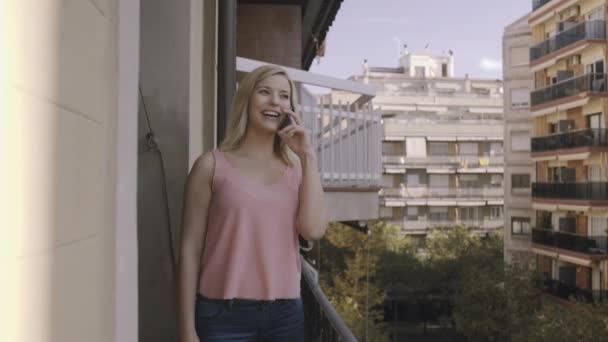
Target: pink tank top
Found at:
252, 248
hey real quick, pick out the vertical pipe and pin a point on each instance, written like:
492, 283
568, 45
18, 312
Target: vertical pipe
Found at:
226, 62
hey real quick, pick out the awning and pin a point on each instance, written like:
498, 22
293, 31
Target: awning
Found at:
438, 170
495, 170
462, 203
544, 252
571, 207
394, 203
440, 138
416, 202
574, 156
544, 206
441, 203
446, 85
565, 106
394, 138
486, 110
472, 170
471, 138
394, 170
574, 260
552, 61
496, 202
544, 158
422, 107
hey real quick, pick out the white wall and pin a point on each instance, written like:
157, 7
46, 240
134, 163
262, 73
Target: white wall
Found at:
59, 135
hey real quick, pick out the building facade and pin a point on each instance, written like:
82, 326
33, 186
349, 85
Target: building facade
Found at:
519, 168
569, 145
443, 145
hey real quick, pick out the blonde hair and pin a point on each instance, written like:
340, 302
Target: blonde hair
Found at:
239, 111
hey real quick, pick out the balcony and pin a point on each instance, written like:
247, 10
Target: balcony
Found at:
485, 223
589, 137
593, 29
592, 83
323, 323
424, 192
566, 291
592, 245
584, 191
456, 161
536, 4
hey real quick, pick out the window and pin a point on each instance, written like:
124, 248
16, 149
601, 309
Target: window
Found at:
496, 181
468, 149
520, 56
495, 212
411, 214
439, 213
520, 225
496, 149
520, 141
468, 213
594, 120
520, 181
412, 179
438, 148
444, 70
520, 98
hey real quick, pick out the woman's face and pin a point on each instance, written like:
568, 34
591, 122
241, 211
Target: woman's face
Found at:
269, 97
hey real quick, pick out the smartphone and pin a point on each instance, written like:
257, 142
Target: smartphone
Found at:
287, 120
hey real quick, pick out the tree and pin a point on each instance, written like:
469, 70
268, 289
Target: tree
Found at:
344, 278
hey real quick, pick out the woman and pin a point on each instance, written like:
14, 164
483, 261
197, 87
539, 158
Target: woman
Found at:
244, 206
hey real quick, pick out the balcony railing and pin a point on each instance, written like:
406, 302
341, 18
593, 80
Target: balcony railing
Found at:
481, 223
536, 4
592, 29
347, 136
595, 245
569, 87
447, 160
566, 291
589, 137
423, 192
323, 323
588, 191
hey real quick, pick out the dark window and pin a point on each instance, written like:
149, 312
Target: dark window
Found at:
520, 225
444, 70
520, 181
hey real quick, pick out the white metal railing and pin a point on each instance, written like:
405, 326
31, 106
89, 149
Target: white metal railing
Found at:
347, 136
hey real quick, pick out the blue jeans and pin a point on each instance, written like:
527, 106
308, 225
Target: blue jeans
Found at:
246, 320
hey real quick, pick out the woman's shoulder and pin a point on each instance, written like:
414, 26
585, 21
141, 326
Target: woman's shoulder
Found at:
203, 167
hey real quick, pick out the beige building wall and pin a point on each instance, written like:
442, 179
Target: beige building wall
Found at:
68, 100
517, 81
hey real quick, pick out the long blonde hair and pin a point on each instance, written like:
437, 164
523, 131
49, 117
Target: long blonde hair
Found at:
239, 111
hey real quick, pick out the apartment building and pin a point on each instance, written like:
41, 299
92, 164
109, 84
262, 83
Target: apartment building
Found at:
569, 145
519, 168
442, 150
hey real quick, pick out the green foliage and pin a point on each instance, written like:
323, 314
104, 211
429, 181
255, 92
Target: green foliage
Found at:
492, 301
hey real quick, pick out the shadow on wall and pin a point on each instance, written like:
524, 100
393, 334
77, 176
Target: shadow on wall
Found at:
162, 160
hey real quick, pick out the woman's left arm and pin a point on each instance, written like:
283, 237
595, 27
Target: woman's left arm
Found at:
312, 212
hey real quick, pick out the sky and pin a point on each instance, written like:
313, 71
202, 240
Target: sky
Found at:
371, 29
